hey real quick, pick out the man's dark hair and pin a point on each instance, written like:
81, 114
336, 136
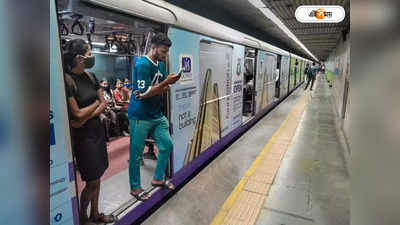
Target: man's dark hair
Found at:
313, 63
161, 39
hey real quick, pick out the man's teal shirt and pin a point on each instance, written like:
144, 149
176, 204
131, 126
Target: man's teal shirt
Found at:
146, 73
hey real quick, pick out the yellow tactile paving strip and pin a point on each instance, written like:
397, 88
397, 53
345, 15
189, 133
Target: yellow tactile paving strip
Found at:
247, 199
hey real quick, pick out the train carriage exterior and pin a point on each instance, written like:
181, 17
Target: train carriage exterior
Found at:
205, 107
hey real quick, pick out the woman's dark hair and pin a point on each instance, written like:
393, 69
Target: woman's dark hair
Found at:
161, 39
71, 49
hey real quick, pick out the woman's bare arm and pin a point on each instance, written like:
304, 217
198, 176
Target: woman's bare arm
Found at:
78, 113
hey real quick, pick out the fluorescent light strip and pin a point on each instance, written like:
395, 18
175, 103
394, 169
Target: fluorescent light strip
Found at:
270, 15
98, 43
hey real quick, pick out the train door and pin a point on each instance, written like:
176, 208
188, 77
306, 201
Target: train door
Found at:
215, 76
278, 79
117, 42
273, 76
292, 76
249, 83
284, 76
298, 72
265, 79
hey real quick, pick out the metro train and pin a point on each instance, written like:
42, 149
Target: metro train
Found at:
230, 80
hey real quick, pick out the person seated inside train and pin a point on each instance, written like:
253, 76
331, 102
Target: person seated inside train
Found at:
114, 121
120, 96
247, 96
127, 89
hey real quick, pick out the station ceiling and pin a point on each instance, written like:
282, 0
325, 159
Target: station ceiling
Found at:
319, 38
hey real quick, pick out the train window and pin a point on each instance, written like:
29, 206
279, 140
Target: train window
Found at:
116, 41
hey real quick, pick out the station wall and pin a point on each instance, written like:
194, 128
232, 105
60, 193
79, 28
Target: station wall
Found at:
338, 63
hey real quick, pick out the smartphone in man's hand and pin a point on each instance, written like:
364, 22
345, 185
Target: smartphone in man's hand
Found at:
180, 72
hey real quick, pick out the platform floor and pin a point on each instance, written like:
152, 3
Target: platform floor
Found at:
312, 185
288, 169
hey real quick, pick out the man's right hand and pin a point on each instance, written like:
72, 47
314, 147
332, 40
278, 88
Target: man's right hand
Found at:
172, 78
137, 94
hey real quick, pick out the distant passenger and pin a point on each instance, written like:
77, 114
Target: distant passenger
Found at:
127, 87
85, 103
114, 120
311, 75
109, 117
121, 97
150, 82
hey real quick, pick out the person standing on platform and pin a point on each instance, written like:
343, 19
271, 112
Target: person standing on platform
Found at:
150, 82
311, 75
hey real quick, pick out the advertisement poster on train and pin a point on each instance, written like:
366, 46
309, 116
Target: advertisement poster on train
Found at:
237, 86
203, 108
265, 80
60, 154
298, 68
284, 78
271, 64
215, 89
259, 81
292, 75
184, 94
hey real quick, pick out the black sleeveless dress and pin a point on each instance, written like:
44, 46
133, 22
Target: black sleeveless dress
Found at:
89, 141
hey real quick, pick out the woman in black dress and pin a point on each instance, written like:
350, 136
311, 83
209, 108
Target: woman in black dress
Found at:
85, 103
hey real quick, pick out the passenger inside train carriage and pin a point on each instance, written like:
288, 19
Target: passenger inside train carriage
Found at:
113, 43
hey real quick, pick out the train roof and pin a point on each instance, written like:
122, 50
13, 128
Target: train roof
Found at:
164, 12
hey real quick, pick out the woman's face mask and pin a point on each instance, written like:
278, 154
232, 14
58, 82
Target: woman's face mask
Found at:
89, 61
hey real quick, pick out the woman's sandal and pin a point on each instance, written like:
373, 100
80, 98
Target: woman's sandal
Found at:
102, 219
142, 196
83, 219
165, 185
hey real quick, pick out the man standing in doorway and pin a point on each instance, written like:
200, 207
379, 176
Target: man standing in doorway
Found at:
150, 81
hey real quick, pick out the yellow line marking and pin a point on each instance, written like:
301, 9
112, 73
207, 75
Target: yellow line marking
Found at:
229, 202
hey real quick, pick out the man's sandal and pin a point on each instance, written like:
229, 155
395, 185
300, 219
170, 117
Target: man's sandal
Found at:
142, 196
165, 185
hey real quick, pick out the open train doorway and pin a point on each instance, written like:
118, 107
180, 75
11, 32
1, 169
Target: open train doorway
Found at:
249, 83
